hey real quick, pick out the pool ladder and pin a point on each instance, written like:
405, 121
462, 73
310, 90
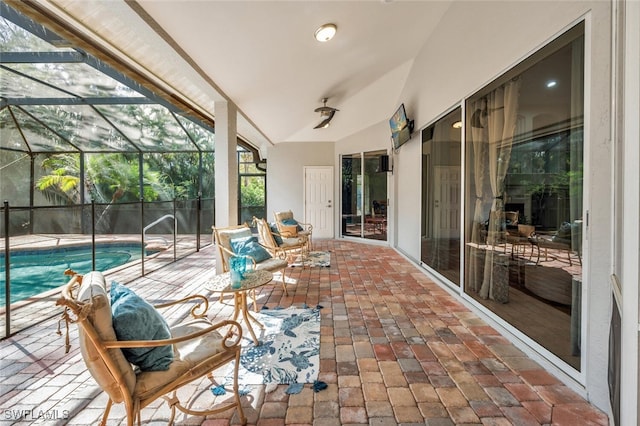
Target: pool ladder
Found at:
151, 225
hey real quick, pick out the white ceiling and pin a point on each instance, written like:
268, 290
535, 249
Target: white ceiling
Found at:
262, 56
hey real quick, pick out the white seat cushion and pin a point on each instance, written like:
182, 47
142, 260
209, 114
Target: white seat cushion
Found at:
195, 350
186, 355
293, 242
272, 264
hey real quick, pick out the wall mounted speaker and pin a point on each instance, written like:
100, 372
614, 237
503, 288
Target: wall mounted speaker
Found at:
383, 164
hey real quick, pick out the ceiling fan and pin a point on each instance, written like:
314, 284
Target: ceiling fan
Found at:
326, 112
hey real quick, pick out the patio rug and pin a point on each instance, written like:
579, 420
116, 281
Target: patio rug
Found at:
289, 350
315, 258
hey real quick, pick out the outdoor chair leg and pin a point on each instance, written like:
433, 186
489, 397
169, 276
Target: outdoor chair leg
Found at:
284, 283
107, 409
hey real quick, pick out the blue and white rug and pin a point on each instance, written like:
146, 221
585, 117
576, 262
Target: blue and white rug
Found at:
289, 352
314, 258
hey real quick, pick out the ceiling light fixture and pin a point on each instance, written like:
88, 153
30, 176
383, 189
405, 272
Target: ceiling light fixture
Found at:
457, 125
325, 32
551, 83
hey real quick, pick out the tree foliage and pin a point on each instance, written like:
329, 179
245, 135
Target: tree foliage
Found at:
252, 191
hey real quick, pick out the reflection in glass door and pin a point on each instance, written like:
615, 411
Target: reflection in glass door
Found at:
364, 196
441, 188
524, 192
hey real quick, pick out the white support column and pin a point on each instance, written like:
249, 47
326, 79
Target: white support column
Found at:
226, 165
226, 169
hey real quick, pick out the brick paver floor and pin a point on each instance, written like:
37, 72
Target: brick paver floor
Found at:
395, 349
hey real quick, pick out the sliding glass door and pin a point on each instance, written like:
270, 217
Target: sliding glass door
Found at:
442, 196
524, 210
364, 196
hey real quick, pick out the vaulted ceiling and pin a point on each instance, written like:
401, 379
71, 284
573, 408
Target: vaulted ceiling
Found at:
263, 57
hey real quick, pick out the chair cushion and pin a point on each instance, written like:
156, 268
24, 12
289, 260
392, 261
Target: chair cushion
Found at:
187, 355
249, 246
225, 237
280, 216
135, 319
94, 289
276, 233
150, 381
292, 222
199, 348
266, 236
273, 264
289, 231
293, 242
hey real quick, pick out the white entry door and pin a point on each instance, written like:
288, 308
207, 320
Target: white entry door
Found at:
447, 206
318, 200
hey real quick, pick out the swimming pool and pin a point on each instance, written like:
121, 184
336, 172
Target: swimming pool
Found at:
37, 271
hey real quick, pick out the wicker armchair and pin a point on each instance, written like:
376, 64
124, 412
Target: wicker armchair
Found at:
289, 227
223, 238
279, 246
198, 346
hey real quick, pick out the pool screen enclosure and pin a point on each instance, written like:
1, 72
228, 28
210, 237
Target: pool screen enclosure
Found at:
88, 153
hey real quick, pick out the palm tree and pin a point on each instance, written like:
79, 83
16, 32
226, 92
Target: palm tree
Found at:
109, 177
61, 186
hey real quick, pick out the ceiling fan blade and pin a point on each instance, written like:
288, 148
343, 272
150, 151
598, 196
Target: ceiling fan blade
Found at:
325, 123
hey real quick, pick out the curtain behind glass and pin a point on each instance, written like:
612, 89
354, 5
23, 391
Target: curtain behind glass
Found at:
502, 114
524, 171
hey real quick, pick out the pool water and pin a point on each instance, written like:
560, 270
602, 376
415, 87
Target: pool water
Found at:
37, 271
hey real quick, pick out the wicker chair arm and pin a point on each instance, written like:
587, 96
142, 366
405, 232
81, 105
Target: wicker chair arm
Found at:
308, 226
198, 311
231, 337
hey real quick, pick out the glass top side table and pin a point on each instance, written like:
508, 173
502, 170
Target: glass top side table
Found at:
252, 279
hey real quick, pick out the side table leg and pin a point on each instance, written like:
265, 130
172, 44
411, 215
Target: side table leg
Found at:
237, 305
246, 316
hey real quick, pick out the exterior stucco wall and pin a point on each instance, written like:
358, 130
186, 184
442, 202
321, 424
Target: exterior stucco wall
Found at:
285, 173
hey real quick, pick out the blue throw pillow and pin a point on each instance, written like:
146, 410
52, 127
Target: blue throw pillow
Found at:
276, 233
291, 222
136, 319
249, 246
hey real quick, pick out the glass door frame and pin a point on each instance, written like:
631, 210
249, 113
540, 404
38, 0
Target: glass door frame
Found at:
371, 206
